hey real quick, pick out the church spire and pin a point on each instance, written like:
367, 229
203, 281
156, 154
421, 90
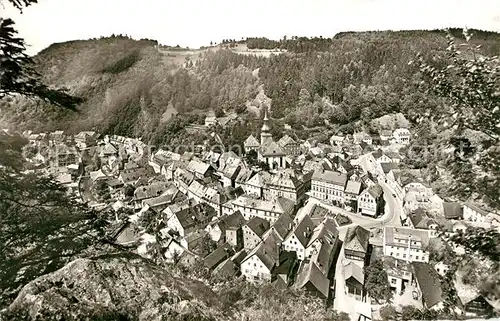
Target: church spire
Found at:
265, 135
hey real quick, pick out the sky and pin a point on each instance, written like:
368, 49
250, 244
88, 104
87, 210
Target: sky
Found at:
194, 23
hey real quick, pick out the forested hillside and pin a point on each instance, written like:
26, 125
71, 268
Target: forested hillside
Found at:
133, 88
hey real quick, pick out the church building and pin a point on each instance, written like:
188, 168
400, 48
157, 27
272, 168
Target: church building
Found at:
268, 151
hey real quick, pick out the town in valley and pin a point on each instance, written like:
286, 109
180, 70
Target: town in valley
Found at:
324, 217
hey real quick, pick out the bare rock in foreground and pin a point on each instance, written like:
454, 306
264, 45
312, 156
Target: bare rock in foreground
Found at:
113, 287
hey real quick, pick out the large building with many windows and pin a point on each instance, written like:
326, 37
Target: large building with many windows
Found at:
406, 244
328, 185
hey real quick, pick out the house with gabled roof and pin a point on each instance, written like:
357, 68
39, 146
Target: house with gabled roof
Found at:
298, 239
86, 139
200, 169
229, 174
284, 272
311, 279
354, 278
221, 253
399, 273
255, 185
260, 263
387, 169
341, 165
243, 176
253, 232
159, 159
151, 190
225, 270
131, 176
371, 201
98, 175
251, 143
430, 291
401, 136
190, 217
385, 134
210, 121
282, 226
337, 140
227, 224
290, 146
356, 244
287, 183
420, 219
378, 157
352, 190
182, 179
362, 137
327, 235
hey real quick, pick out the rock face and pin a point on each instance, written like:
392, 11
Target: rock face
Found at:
116, 287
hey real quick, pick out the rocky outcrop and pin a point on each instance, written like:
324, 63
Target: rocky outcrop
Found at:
113, 287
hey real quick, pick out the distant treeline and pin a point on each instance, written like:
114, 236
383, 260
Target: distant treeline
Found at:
308, 44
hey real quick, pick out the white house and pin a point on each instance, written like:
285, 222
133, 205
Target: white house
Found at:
255, 185
401, 136
210, 121
473, 213
370, 201
259, 264
328, 185
268, 210
298, 239
406, 243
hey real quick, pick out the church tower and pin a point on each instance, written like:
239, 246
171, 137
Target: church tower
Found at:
265, 135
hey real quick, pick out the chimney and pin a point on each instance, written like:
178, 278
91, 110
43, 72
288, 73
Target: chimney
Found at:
305, 234
308, 229
290, 225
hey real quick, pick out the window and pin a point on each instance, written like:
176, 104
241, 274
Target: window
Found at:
393, 281
404, 256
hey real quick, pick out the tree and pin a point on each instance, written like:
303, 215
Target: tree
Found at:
409, 312
17, 75
485, 242
102, 191
264, 166
251, 157
377, 282
388, 312
469, 85
207, 245
42, 228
